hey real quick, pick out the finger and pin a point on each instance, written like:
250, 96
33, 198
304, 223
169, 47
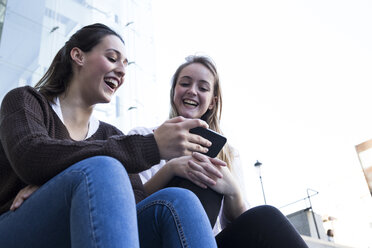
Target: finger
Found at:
195, 166
216, 161
200, 157
195, 180
199, 168
191, 123
206, 164
28, 191
210, 174
197, 139
191, 147
16, 203
175, 119
203, 178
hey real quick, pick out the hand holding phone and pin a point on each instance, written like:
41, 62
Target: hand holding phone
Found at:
217, 140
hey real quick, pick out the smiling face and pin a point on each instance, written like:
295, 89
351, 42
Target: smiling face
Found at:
193, 92
101, 71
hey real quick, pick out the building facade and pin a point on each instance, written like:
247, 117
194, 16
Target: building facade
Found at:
32, 32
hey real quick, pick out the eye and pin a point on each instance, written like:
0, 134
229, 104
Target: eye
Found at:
184, 84
204, 89
111, 59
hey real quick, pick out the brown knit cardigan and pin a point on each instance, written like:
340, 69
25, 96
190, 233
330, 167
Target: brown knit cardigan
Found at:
36, 146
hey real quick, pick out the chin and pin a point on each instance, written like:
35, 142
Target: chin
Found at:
189, 116
105, 100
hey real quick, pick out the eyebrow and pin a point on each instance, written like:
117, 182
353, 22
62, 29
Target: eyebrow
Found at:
118, 53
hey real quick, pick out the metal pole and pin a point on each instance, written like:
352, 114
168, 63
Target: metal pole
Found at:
312, 211
263, 192
258, 166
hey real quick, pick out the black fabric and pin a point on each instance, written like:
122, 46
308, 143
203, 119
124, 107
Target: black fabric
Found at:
263, 227
210, 199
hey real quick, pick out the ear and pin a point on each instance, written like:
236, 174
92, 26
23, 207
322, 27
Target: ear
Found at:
213, 102
77, 55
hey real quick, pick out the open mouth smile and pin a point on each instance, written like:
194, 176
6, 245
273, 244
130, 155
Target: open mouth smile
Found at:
113, 83
190, 102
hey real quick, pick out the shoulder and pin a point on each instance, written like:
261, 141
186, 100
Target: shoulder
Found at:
22, 93
26, 98
141, 130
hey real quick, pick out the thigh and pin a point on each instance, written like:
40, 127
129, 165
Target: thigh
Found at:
173, 217
263, 226
41, 221
89, 204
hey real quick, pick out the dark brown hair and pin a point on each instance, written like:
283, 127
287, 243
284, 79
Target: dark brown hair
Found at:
55, 81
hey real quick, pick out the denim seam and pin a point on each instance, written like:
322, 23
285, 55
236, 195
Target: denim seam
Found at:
176, 219
89, 205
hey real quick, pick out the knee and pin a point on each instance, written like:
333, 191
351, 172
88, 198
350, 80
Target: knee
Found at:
103, 169
184, 196
101, 164
265, 210
261, 213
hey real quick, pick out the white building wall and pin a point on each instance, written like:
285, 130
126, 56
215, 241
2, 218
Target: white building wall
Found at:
35, 30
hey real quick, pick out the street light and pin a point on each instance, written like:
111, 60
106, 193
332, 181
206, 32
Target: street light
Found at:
258, 167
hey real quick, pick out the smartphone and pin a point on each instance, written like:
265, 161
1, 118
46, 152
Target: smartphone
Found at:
218, 141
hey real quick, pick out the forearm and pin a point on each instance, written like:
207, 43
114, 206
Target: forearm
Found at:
160, 179
234, 205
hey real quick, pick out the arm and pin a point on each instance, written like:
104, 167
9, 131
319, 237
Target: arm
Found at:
27, 133
159, 179
182, 167
234, 204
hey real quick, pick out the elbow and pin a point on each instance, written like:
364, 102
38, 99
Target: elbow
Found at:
28, 171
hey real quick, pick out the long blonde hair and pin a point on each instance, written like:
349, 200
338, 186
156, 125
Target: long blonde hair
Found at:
212, 116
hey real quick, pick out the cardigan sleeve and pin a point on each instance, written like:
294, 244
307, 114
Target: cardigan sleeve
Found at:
27, 135
149, 173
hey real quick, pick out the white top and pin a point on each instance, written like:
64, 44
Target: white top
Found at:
237, 172
93, 122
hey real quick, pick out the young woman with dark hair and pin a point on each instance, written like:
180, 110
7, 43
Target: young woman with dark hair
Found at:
69, 180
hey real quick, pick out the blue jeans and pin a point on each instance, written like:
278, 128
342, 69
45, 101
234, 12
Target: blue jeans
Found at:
173, 217
91, 204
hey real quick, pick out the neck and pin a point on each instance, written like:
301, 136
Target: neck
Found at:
76, 113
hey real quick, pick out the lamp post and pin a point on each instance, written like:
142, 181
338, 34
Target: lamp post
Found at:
312, 210
258, 167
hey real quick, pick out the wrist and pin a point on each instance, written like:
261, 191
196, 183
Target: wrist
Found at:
233, 196
234, 206
169, 168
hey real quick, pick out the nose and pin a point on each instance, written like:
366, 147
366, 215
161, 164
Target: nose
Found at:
192, 90
120, 70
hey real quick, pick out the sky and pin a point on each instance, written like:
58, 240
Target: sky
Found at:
296, 80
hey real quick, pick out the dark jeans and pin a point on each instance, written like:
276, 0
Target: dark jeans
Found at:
260, 227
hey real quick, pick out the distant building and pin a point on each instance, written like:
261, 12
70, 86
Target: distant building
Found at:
310, 226
31, 33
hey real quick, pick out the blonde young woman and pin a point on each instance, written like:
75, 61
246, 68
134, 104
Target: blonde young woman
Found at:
69, 180
196, 94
